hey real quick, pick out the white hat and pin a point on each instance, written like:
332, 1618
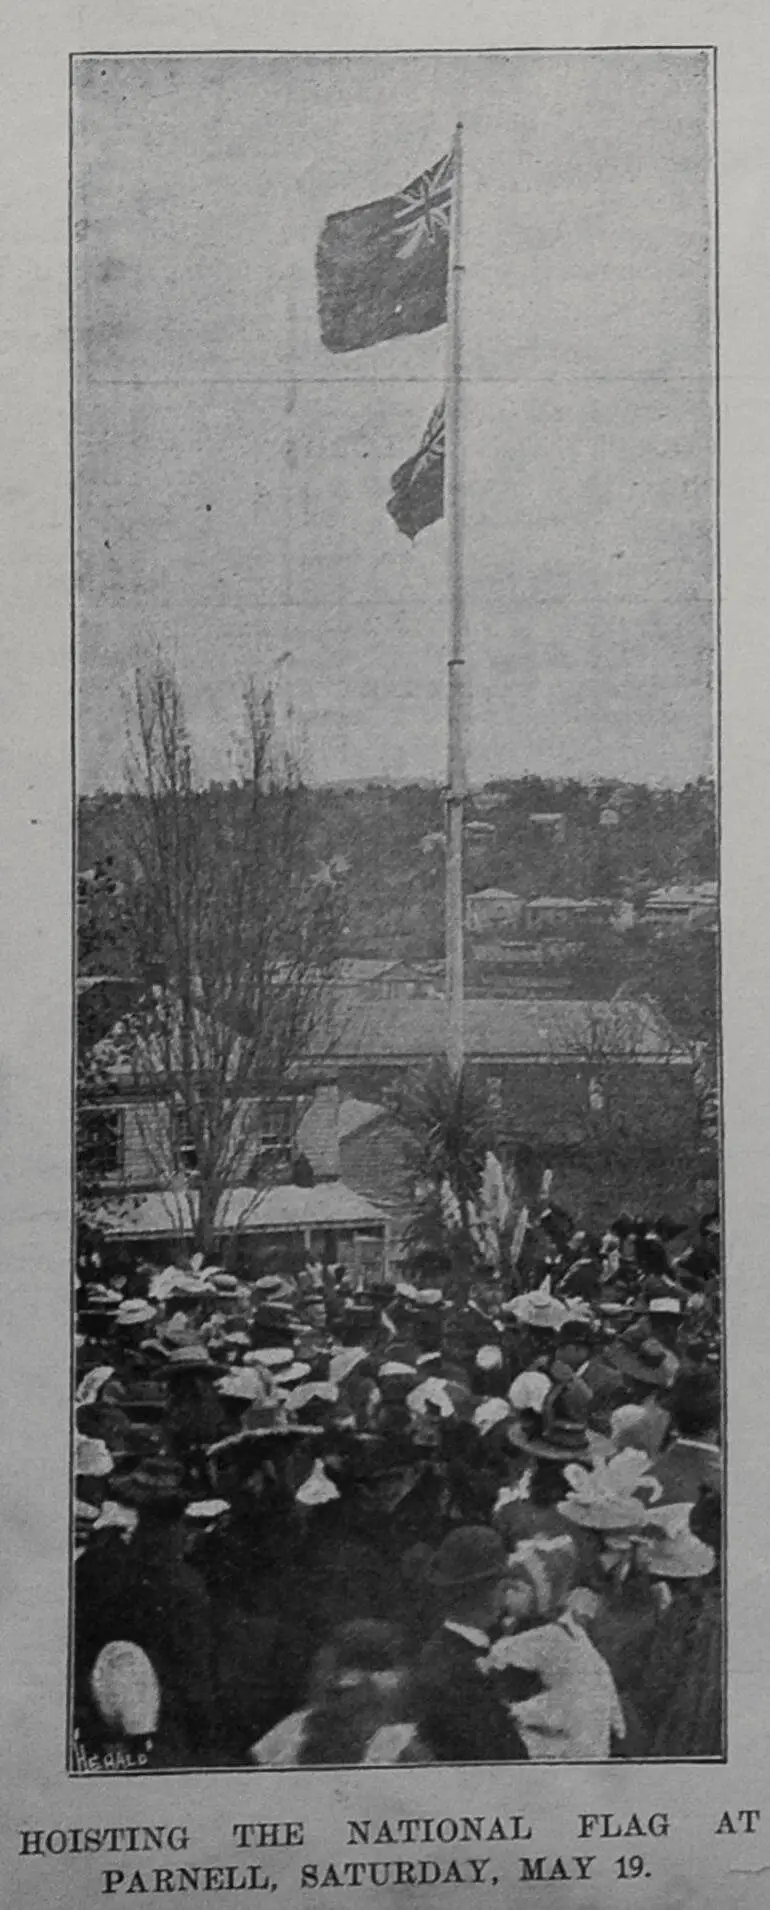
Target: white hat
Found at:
270, 1356
245, 1382
318, 1488
433, 1393
134, 1312
93, 1459
491, 1413
529, 1391
91, 1385
299, 1369
125, 1689
489, 1359
315, 1389
124, 1518
539, 1308
206, 1509
343, 1363
674, 1551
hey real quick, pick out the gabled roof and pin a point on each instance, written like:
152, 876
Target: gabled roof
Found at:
504, 1029
329, 1204
355, 1115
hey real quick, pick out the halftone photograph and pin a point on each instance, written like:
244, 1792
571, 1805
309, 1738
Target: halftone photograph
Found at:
397, 1346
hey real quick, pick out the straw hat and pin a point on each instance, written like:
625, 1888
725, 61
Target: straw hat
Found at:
539, 1308
671, 1549
183, 1360
93, 1459
245, 1383
134, 1313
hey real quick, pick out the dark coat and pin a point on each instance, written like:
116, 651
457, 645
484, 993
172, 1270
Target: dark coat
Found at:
167, 1612
683, 1470
457, 1713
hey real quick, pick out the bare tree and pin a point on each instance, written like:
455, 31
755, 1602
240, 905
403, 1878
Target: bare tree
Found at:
232, 943
632, 1104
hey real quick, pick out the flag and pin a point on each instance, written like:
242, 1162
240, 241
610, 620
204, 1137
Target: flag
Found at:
417, 496
382, 269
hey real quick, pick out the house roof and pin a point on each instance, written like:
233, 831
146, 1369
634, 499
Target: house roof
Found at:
497, 895
680, 894
505, 1029
579, 904
289, 1208
354, 1115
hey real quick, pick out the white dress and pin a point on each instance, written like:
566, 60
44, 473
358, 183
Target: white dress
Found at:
578, 1713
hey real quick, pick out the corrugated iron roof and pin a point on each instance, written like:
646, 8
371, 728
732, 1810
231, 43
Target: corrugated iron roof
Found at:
329, 1204
549, 1029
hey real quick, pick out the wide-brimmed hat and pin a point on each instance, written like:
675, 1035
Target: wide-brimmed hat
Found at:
471, 1555
99, 1298
490, 1413
271, 1357
344, 1361
607, 1497
205, 1511
670, 1549
299, 1370
91, 1384
134, 1313
558, 1430
157, 1480
184, 1360
439, 1398
648, 1363
538, 1309
93, 1459
245, 1383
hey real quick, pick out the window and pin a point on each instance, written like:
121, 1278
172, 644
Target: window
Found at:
100, 1142
183, 1144
276, 1126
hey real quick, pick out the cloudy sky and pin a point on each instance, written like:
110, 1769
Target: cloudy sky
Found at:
231, 475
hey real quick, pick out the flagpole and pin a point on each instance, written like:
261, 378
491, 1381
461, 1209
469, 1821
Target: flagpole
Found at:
456, 659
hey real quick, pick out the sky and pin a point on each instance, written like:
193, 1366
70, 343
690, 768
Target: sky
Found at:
231, 475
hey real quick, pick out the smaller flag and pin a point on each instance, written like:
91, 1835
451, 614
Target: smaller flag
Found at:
382, 268
417, 487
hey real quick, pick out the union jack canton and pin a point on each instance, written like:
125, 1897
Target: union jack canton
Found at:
382, 268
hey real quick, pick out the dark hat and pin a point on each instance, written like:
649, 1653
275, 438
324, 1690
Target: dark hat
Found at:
157, 1480
559, 1431
144, 1400
184, 1360
669, 1229
472, 1555
649, 1363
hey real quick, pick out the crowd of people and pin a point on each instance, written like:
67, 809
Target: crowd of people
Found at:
416, 1522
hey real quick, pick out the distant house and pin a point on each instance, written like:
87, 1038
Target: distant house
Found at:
551, 823
491, 909
487, 799
565, 912
543, 1052
433, 843
376, 978
682, 906
143, 1166
374, 1152
329, 1221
